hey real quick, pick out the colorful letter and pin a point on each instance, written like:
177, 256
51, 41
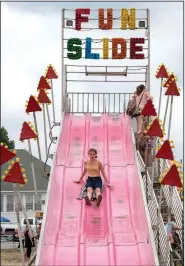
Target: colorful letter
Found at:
72, 48
79, 18
115, 53
105, 48
102, 24
128, 20
88, 54
134, 48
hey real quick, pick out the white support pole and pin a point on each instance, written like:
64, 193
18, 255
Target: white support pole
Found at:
166, 111
159, 210
25, 215
153, 167
62, 60
33, 171
170, 203
160, 98
38, 141
19, 224
169, 216
148, 25
170, 118
49, 122
45, 130
53, 103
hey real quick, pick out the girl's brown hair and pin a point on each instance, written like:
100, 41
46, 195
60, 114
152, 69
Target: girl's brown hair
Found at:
92, 150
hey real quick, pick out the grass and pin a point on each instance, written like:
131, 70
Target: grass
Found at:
11, 257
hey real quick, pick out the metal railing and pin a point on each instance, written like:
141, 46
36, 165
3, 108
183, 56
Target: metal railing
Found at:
97, 102
162, 244
177, 206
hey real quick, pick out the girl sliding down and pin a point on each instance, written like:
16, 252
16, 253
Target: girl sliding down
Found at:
93, 167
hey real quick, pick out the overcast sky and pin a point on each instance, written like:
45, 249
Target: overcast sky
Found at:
31, 39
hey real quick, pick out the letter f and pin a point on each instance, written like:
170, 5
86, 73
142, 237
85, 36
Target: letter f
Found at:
79, 18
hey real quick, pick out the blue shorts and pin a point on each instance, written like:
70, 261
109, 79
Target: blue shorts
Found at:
94, 182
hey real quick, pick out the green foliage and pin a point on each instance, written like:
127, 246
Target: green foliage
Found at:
5, 139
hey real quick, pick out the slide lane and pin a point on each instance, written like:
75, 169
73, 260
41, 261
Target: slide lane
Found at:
116, 233
96, 228
128, 218
63, 220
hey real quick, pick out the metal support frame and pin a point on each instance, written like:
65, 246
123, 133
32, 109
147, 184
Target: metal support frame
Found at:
68, 14
33, 171
148, 34
62, 60
38, 141
45, 129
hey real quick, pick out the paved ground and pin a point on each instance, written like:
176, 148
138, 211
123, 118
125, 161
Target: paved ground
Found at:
8, 245
10, 257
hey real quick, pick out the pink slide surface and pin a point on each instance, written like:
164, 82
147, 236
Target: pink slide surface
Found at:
116, 233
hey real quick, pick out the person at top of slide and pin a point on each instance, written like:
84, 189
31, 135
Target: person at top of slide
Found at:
142, 96
93, 167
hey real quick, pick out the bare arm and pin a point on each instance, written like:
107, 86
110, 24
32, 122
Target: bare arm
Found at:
175, 227
148, 96
82, 175
103, 173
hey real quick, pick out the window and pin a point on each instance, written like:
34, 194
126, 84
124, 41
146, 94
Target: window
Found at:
29, 220
29, 202
38, 205
2, 201
10, 203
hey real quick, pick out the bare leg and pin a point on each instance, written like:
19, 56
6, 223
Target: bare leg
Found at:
89, 193
88, 197
98, 192
98, 196
139, 120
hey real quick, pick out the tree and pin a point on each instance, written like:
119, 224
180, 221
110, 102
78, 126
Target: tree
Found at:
5, 139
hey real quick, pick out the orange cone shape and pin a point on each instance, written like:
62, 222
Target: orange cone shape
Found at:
43, 98
33, 105
15, 175
169, 80
155, 129
172, 89
5, 155
162, 72
149, 109
51, 74
172, 178
27, 132
165, 151
43, 84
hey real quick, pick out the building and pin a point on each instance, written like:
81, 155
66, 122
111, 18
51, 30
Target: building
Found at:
27, 192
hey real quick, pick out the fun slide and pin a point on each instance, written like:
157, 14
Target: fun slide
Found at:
118, 232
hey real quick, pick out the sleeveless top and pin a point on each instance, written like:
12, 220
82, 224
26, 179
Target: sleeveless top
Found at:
93, 168
142, 99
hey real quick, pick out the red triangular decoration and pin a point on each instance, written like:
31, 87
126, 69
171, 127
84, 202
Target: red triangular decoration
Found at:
15, 174
155, 129
162, 72
172, 89
43, 98
5, 155
172, 178
33, 105
169, 80
149, 109
43, 84
51, 74
27, 132
165, 151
